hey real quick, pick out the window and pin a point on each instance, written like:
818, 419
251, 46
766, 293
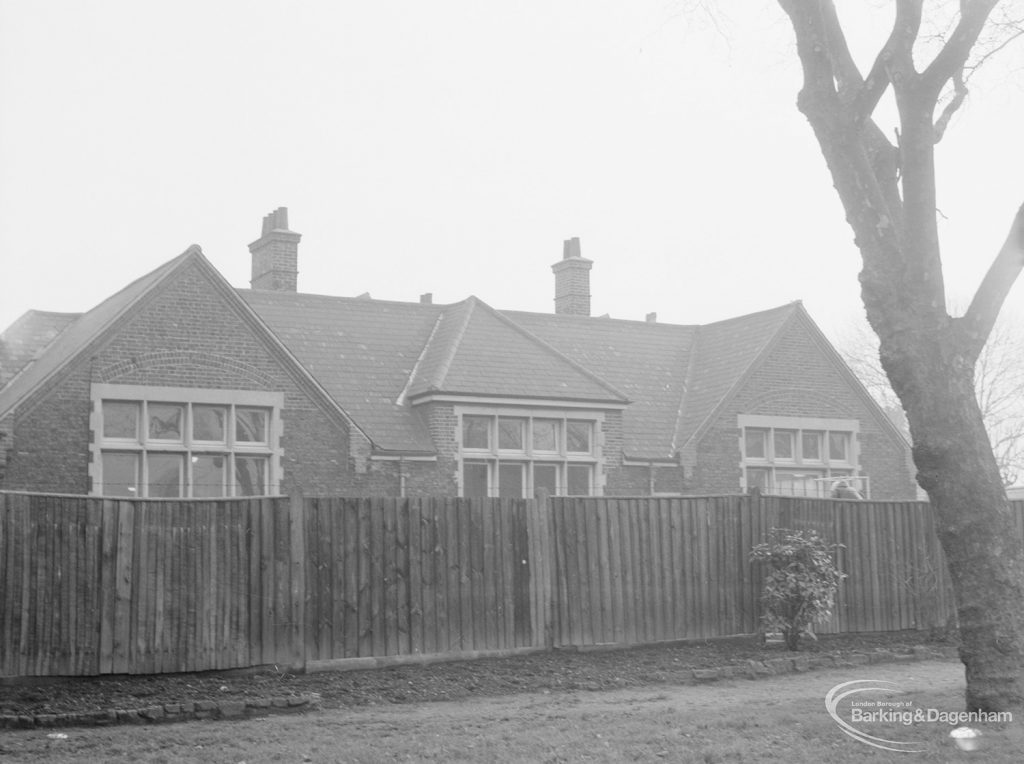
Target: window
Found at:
121, 472
755, 443
475, 479
795, 456
838, 443
510, 480
545, 435
476, 432
578, 477
577, 436
514, 453
121, 420
782, 442
165, 421
209, 423
178, 443
546, 476
510, 433
810, 446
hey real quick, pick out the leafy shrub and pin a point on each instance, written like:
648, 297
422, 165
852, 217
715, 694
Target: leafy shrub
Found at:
801, 588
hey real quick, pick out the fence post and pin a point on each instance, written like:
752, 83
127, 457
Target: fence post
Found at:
297, 534
540, 531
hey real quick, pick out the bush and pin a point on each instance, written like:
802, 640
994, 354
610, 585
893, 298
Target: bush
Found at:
801, 588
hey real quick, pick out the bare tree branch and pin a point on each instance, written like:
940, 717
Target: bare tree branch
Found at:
848, 76
953, 55
977, 322
959, 94
976, 65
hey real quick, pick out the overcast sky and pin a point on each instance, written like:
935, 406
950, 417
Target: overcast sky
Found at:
449, 147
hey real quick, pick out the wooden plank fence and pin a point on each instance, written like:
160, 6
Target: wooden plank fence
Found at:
94, 586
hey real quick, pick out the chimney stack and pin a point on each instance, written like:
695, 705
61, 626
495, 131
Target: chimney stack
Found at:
652, 318
427, 298
572, 280
275, 255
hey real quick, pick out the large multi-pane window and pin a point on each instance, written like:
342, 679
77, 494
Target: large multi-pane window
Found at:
513, 455
150, 445
799, 457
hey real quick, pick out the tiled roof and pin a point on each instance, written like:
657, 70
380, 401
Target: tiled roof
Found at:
361, 351
646, 361
376, 357
725, 351
477, 351
28, 337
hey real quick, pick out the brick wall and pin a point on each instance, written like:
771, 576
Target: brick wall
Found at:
800, 380
185, 335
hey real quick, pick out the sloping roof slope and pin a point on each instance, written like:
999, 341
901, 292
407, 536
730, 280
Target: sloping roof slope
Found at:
361, 351
28, 337
724, 352
646, 361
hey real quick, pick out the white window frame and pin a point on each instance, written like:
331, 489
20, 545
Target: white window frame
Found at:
528, 456
821, 470
230, 448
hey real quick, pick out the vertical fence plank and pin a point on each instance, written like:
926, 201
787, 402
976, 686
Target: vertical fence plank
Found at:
297, 570
668, 590
454, 513
428, 536
469, 609
439, 558
350, 555
615, 572
541, 565
402, 572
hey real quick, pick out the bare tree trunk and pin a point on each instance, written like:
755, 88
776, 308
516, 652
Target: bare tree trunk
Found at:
977, 532
888, 193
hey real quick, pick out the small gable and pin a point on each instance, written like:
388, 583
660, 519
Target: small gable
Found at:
476, 351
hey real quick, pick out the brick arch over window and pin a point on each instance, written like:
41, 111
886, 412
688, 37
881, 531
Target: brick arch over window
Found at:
176, 359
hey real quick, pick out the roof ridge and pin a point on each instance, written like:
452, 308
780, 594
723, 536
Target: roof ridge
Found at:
155, 276
400, 401
602, 319
844, 370
746, 316
743, 375
466, 306
691, 361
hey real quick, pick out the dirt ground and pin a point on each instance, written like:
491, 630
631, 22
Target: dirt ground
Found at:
777, 719
558, 671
